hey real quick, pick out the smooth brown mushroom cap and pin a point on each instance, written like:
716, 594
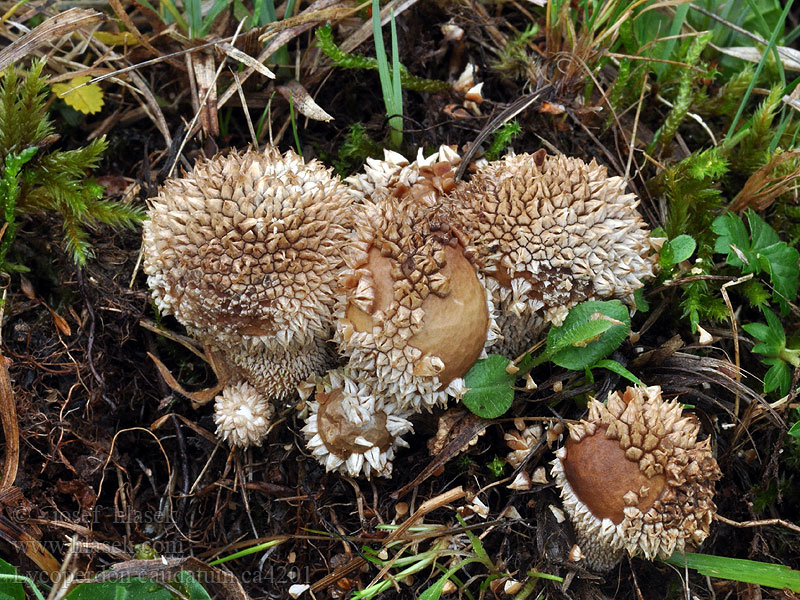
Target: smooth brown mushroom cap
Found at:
413, 315
603, 477
349, 430
456, 318
634, 478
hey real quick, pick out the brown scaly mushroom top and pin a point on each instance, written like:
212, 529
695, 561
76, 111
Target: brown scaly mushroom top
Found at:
245, 252
551, 232
633, 478
413, 315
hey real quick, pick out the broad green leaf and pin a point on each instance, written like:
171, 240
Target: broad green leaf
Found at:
641, 302
490, 392
738, 569
87, 99
591, 331
776, 335
794, 431
139, 588
781, 263
757, 330
10, 589
732, 237
761, 233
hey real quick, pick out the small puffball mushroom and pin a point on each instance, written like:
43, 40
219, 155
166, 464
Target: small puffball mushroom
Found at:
245, 252
413, 316
242, 415
347, 430
633, 478
551, 232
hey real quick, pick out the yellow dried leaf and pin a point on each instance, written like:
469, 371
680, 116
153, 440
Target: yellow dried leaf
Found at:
87, 99
110, 38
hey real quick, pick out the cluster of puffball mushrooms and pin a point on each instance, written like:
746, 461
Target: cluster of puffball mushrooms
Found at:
370, 298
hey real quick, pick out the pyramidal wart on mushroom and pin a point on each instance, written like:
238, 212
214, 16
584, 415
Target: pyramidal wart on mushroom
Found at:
412, 316
245, 252
634, 478
550, 233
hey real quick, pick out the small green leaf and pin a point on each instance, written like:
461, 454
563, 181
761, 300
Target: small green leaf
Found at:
591, 331
732, 237
778, 377
641, 302
757, 330
617, 368
794, 431
677, 250
490, 392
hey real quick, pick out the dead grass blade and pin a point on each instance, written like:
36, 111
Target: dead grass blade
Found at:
357, 563
198, 399
53, 28
763, 187
164, 570
8, 413
245, 59
123, 16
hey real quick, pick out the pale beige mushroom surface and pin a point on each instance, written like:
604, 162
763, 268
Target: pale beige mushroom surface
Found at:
550, 232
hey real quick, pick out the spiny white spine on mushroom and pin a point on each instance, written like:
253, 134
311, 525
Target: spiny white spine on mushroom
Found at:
563, 231
522, 442
360, 406
242, 415
276, 372
382, 175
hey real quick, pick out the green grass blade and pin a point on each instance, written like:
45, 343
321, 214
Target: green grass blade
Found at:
739, 569
770, 46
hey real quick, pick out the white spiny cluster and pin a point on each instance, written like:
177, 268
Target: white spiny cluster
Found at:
361, 440
245, 252
271, 262
243, 416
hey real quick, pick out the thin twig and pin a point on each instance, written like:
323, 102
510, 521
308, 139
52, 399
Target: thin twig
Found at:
760, 523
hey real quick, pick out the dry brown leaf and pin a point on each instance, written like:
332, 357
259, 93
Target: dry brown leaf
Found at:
8, 414
763, 187
52, 29
295, 93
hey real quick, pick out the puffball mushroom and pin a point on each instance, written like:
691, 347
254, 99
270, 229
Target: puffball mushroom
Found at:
242, 415
633, 478
245, 252
413, 315
551, 232
349, 430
